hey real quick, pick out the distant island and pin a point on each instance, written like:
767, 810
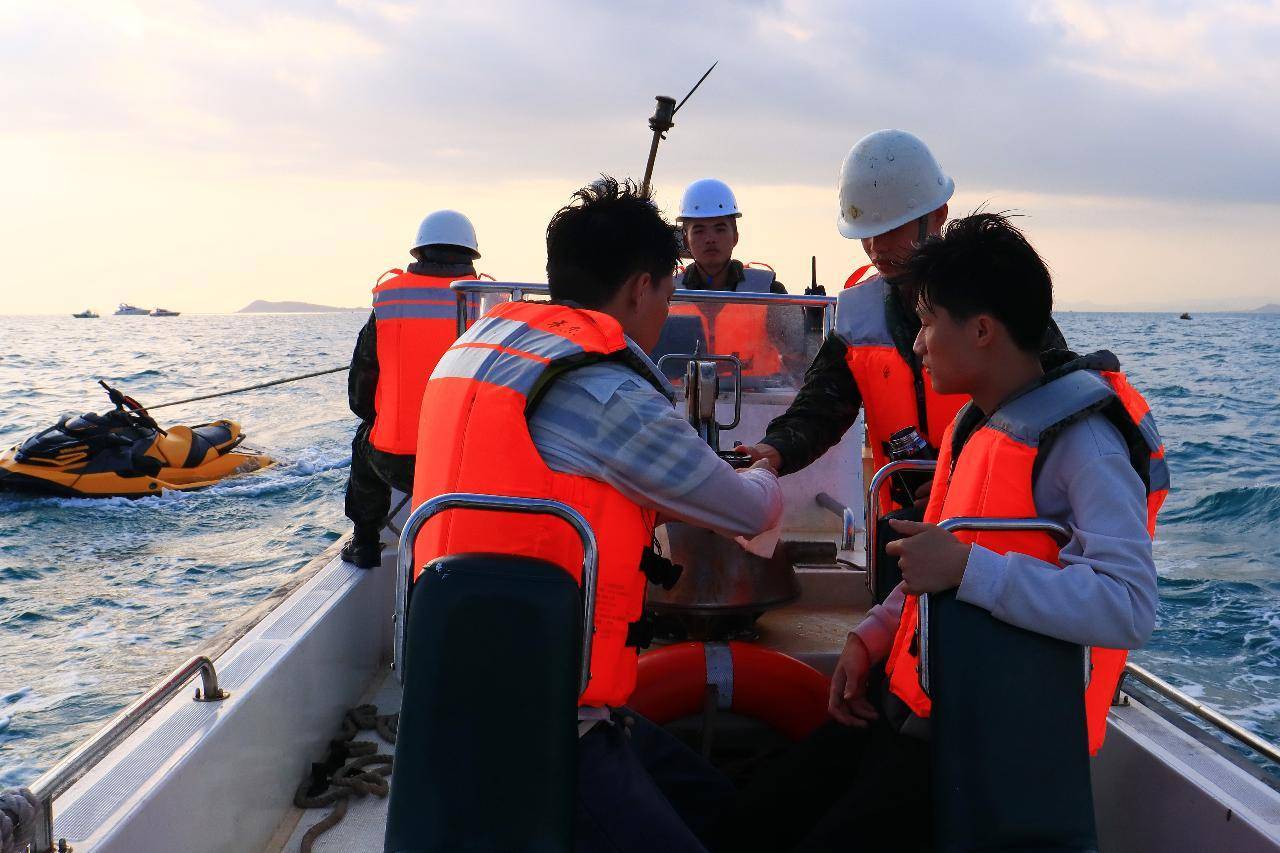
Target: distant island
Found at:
1269, 308
262, 306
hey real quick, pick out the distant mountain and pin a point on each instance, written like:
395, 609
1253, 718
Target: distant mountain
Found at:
1269, 308
262, 306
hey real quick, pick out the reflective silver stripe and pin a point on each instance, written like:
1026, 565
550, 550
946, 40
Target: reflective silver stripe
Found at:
491, 366
506, 352
433, 293
756, 280
860, 319
514, 334
720, 672
416, 311
1149, 432
1159, 474
1026, 418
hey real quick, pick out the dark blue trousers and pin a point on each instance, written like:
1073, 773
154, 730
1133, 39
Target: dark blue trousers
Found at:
641, 790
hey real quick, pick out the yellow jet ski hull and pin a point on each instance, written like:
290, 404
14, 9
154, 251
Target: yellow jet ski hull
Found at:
99, 456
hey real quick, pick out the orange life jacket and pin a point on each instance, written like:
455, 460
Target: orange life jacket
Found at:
740, 330
416, 317
990, 474
894, 395
475, 438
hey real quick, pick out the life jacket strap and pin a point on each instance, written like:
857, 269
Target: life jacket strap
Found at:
640, 633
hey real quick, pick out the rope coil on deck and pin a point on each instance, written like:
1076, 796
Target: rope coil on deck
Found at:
17, 819
349, 769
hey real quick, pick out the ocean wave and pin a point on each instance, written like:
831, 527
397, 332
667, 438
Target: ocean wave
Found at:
1246, 507
13, 573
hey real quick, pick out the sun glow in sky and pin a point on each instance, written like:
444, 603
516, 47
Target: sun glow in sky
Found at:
202, 155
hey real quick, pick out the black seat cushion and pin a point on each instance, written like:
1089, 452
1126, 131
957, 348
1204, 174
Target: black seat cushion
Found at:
1009, 745
485, 754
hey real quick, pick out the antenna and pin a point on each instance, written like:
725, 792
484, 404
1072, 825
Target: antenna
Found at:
663, 120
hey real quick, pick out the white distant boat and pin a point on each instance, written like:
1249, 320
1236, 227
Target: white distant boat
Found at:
127, 310
86, 314
164, 312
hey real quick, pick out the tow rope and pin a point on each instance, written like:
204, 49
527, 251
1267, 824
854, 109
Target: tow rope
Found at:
349, 770
251, 387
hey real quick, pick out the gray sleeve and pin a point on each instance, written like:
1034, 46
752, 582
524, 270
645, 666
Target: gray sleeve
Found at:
1104, 594
625, 433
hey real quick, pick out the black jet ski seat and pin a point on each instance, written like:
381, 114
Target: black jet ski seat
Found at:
492, 660
188, 447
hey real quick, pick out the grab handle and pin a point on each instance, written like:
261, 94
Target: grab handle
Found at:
495, 503
951, 525
872, 512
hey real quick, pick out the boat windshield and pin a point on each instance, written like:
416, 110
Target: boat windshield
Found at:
774, 337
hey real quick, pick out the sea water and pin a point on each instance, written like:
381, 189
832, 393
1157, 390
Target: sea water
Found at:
99, 598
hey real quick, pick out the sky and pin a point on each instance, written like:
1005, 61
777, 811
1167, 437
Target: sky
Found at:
198, 156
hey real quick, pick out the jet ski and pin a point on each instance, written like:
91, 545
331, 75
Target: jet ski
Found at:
125, 453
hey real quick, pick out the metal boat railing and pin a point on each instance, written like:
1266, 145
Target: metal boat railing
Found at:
1201, 712
70, 769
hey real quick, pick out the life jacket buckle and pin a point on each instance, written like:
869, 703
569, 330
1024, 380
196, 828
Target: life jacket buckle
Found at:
659, 570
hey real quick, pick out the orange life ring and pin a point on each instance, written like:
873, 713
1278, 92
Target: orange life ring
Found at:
766, 685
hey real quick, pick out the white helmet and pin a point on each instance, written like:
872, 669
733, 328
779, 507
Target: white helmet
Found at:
447, 228
888, 179
707, 199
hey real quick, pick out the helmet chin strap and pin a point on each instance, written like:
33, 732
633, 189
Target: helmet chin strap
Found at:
923, 228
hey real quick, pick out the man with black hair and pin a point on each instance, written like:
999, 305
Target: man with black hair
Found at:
560, 400
1057, 436
411, 325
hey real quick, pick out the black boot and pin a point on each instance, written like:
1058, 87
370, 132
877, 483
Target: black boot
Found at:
365, 553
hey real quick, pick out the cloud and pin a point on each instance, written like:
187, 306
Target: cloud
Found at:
1175, 100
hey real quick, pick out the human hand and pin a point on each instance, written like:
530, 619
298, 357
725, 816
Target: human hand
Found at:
766, 465
848, 702
758, 452
930, 558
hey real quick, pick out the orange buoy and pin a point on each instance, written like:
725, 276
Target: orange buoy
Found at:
788, 695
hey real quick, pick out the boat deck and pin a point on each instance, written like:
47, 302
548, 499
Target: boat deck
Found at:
809, 630
320, 646
364, 824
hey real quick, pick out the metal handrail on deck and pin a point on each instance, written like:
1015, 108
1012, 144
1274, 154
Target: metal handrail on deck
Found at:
69, 770
1202, 712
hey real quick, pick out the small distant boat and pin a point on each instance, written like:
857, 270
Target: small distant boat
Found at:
164, 312
1184, 316
127, 310
86, 314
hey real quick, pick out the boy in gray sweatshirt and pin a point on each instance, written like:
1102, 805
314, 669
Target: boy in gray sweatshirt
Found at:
862, 782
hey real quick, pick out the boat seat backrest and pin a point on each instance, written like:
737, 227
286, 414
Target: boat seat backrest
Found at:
487, 741
1007, 734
